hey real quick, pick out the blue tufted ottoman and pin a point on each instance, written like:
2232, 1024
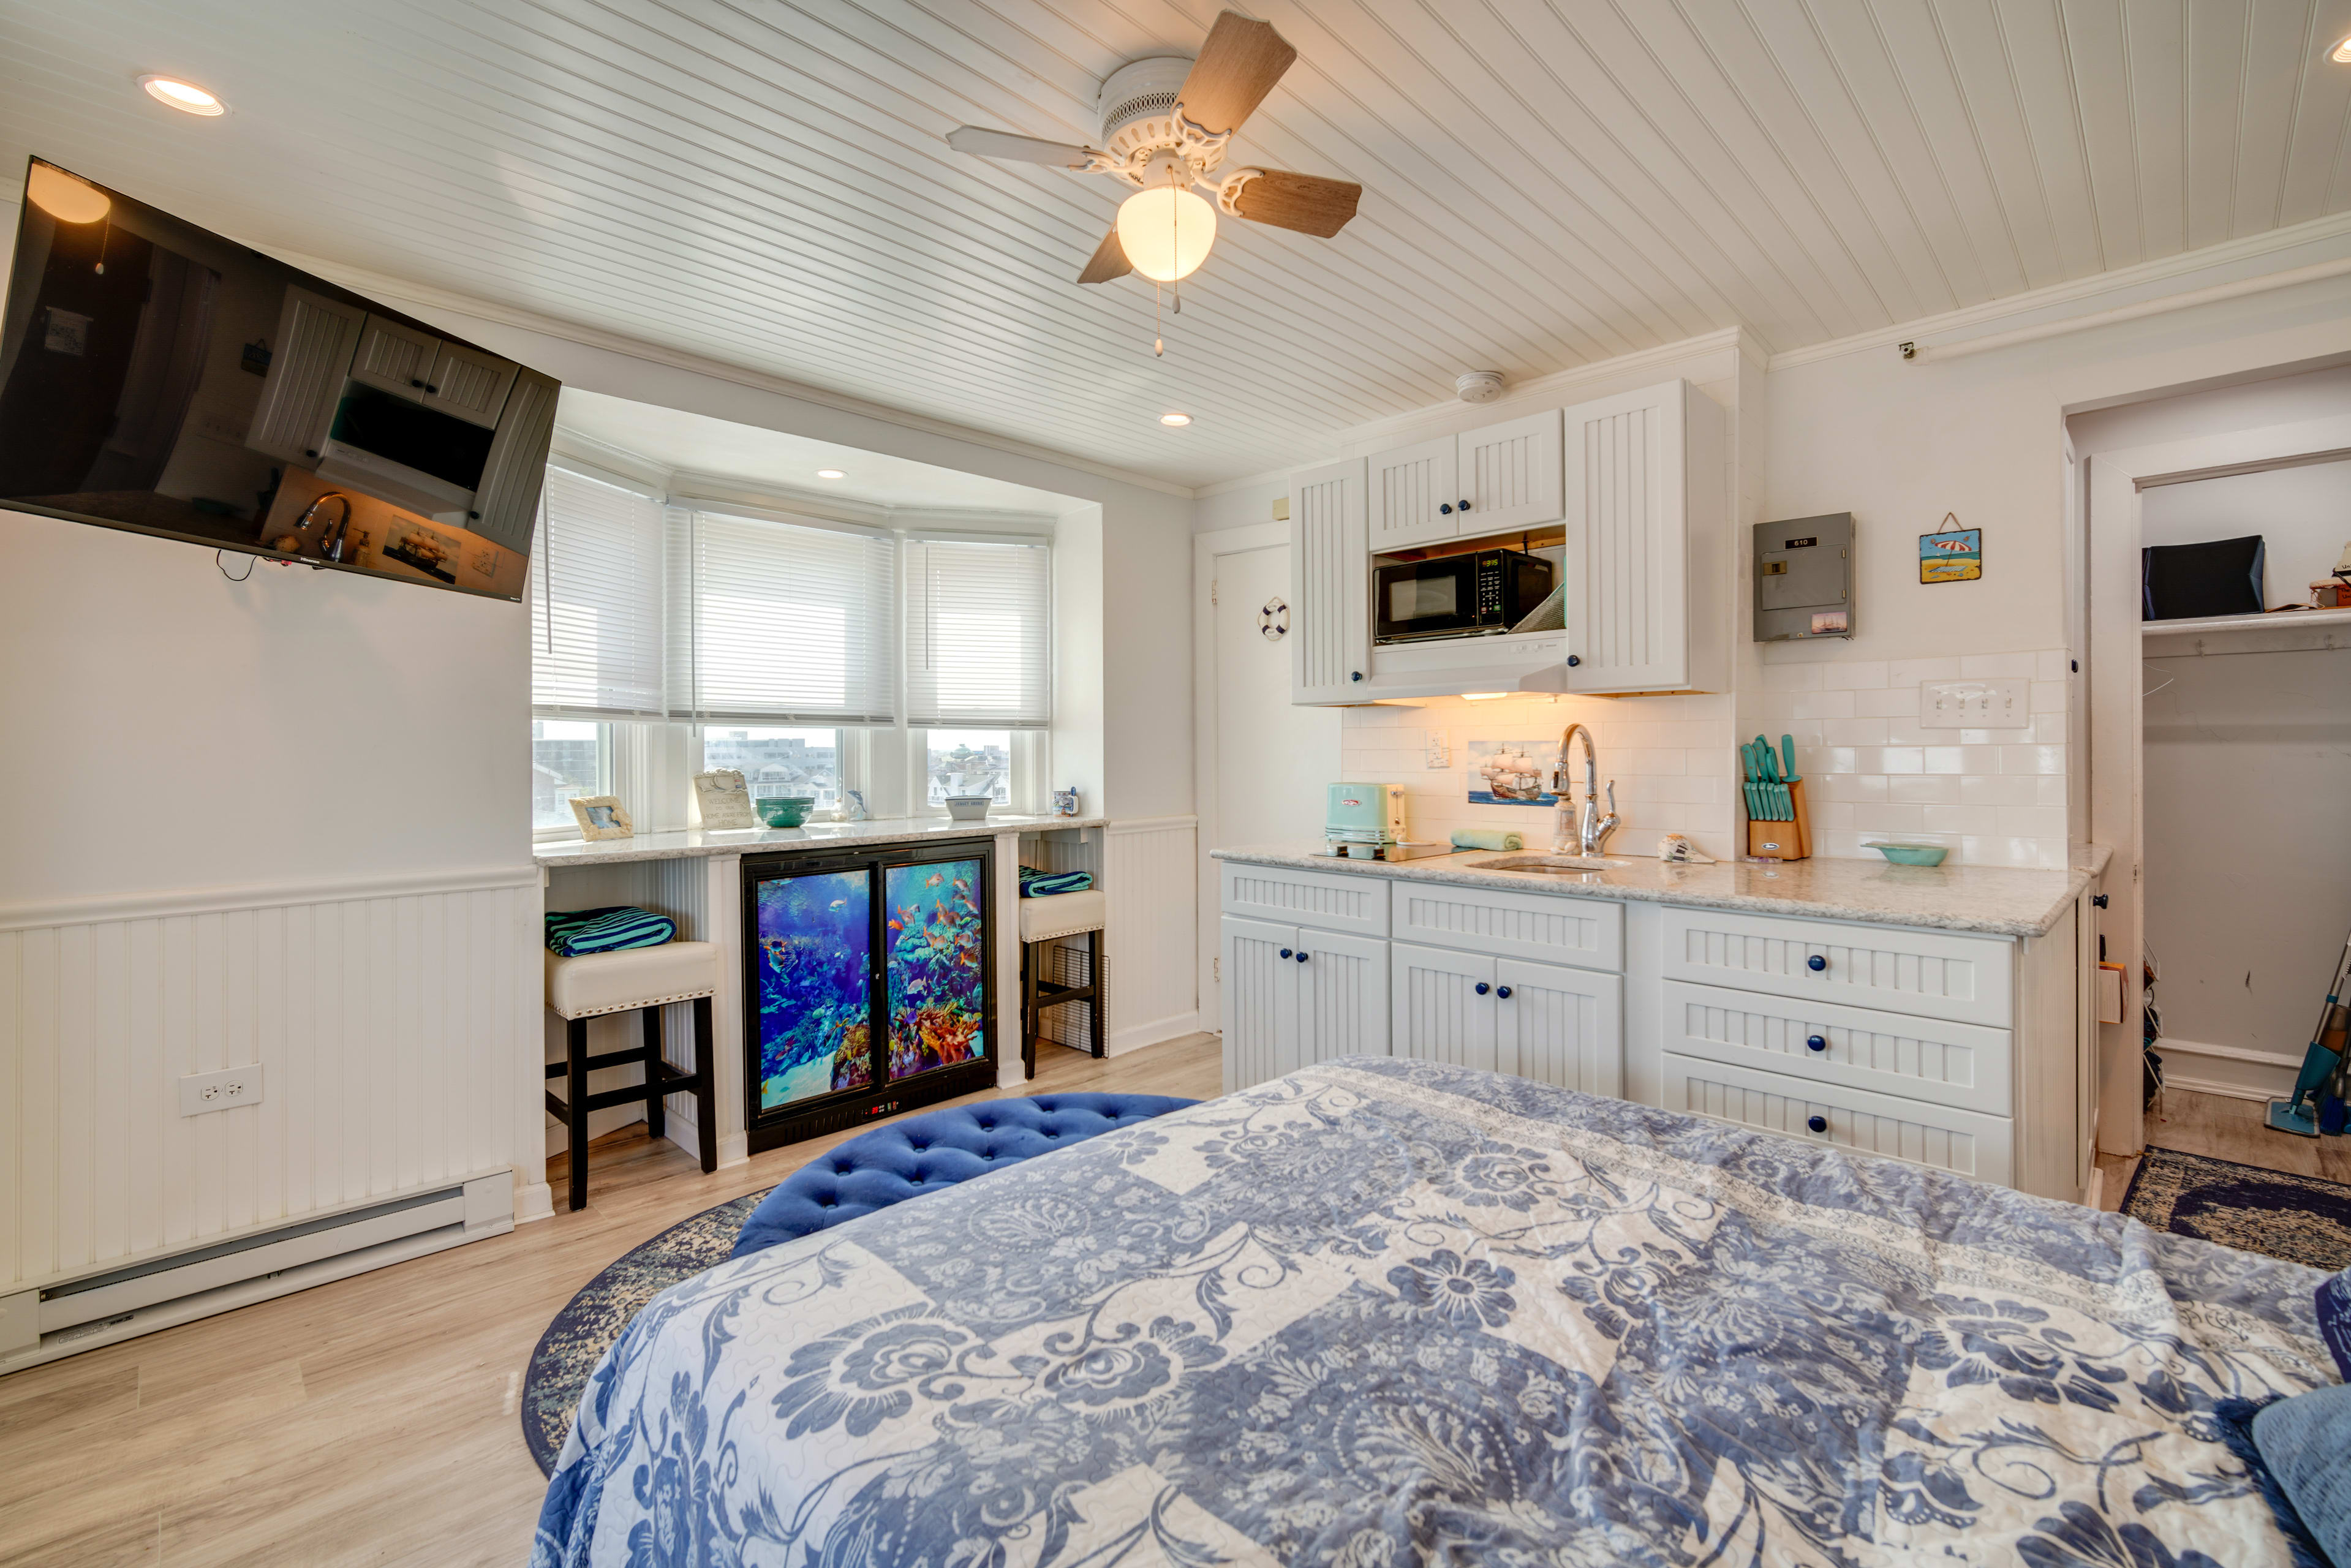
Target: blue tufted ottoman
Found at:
906, 1159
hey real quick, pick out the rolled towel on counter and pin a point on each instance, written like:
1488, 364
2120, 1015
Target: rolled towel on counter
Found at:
1486, 839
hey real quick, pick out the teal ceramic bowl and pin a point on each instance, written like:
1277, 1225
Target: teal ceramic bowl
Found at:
1911, 854
784, 810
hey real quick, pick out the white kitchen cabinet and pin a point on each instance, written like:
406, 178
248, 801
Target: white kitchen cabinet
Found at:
1545, 1021
396, 356
1647, 565
310, 358
1412, 492
1294, 996
1482, 481
1330, 585
1947, 1137
504, 507
469, 384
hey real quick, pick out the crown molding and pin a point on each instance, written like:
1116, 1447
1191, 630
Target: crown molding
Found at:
2142, 282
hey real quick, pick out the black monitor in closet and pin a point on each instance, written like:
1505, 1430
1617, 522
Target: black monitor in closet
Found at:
2219, 577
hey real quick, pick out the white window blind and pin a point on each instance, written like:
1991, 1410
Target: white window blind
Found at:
595, 601
772, 623
979, 634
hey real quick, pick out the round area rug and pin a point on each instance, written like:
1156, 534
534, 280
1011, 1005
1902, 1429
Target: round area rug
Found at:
2302, 1219
592, 1320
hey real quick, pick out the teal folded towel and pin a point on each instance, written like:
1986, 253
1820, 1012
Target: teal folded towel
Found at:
575, 933
1486, 839
1034, 884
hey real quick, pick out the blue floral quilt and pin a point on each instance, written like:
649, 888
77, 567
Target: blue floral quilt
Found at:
1385, 1312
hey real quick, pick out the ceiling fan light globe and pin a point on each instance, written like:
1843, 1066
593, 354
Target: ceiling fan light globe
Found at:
1166, 232
65, 198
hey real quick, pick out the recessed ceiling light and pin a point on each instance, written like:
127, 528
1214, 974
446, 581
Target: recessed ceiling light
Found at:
186, 97
830, 473
2342, 53
1174, 419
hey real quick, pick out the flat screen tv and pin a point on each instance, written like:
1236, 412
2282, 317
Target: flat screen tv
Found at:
157, 378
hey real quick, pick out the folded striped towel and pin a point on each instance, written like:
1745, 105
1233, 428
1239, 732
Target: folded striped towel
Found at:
573, 933
1034, 884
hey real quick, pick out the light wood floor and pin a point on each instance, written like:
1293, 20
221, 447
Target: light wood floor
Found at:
374, 1420
2222, 1128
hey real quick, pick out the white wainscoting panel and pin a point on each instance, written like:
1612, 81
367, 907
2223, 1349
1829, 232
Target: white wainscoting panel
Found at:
393, 1026
1150, 873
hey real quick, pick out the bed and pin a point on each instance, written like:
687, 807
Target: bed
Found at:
1382, 1312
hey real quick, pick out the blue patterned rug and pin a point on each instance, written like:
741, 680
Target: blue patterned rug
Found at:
2302, 1219
588, 1324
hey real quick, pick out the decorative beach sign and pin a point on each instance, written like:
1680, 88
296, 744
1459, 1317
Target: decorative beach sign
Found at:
1951, 554
1510, 773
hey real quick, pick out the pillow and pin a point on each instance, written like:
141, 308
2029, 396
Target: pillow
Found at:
2303, 1441
571, 934
2334, 1303
1034, 884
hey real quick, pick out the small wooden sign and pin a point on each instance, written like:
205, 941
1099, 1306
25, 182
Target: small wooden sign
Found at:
724, 800
1950, 555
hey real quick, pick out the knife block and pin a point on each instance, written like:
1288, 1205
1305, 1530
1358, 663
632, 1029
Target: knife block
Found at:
1789, 840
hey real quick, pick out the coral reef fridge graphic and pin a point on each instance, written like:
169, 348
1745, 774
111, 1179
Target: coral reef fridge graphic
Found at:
938, 965
815, 958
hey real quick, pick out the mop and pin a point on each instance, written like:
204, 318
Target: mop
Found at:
2322, 1065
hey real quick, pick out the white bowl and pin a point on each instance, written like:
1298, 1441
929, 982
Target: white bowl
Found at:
968, 808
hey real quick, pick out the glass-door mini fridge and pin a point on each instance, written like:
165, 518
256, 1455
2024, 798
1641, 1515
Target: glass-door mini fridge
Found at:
869, 985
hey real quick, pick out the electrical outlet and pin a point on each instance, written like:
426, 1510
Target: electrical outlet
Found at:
222, 1091
2004, 703
1440, 752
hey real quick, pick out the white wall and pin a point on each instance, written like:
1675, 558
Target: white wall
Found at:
2304, 516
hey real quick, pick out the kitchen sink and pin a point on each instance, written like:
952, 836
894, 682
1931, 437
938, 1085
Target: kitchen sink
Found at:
1555, 865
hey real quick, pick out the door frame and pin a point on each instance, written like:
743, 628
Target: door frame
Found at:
1206, 549
2117, 760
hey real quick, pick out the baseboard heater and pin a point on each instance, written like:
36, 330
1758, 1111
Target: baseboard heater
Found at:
107, 1305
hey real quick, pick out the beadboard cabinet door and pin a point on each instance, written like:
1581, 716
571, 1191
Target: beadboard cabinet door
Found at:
1343, 996
1414, 493
395, 358
1445, 1005
1545, 1021
313, 347
1260, 1000
1330, 585
1294, 996
469, 384
1510, 475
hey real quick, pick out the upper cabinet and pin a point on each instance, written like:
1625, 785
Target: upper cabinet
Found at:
1647, 518
314, 342
1330, 585
464, 382
1497, 476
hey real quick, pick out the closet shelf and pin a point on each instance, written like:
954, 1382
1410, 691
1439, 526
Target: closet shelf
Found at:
2285, 632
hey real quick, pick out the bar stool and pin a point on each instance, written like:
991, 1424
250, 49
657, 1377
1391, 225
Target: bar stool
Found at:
1047, 919
595, 984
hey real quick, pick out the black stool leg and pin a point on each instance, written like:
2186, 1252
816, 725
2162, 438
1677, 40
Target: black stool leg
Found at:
576, 1109
1030, 1022
705, 1087
656, 1114
1095, 984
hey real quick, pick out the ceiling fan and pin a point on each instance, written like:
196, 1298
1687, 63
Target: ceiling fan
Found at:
1165, 121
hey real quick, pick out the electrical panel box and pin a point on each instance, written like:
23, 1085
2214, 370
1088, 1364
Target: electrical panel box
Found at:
1803, 578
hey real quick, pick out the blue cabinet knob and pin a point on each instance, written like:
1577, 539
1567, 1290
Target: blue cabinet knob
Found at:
1572, 661
1817, 1124
1815, 1042
1465, 503
1301, 955
1285, 952
1816, 963
1483, 987
1502, 990
1356, 675
1445, 508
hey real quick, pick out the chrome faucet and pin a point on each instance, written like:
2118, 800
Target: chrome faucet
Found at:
1592, 829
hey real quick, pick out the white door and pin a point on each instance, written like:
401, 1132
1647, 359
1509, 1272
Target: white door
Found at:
469, 384
1416, 495
1560, 1025
1272, 762
1627, 543
1509, 474
1259, 1000
1330, 585
1443, 1006
396, 356
309, 357
1343, 996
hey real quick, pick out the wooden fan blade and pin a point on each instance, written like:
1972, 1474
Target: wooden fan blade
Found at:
1306, 203
1109, 260
982, 142
1236, 68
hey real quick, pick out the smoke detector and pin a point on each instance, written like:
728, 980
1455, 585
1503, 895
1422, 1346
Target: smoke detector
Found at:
1477, 386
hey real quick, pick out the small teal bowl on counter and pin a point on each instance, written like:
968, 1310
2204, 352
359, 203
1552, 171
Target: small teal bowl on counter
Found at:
1911, 854
784, 810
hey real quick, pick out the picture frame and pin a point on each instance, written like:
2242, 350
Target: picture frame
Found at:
601, 817
1950, 555
724, 800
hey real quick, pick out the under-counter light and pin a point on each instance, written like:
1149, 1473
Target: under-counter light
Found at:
1482, 697
65, 198
1174, 419
830, 473
184, 96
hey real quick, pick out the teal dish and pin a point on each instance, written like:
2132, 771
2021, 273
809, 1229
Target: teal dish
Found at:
1911, 854
784, 810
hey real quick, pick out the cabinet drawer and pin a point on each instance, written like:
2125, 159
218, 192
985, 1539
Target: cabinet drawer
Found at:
1967, 1143
1331, 899
1934, 1059
1584, 932
1930, 973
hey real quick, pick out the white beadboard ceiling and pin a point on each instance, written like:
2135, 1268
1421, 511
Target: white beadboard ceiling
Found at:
1547, 182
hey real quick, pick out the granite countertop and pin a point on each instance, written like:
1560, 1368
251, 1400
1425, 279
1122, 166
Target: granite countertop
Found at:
1992, 901
690, 843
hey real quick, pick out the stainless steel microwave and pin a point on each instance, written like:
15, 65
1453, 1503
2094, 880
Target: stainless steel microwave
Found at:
1480, 593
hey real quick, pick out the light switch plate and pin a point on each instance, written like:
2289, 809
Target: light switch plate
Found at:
1440, 751
2004, 703
222, 1091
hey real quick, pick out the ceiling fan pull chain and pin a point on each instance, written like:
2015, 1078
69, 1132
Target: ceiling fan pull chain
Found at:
1158, 341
